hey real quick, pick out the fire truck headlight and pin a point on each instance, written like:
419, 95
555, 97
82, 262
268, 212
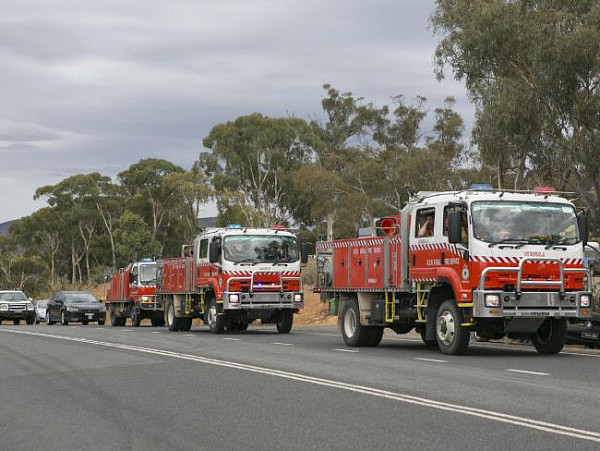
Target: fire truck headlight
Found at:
584, 300
234, 298
297, 298
145, 298
492, 300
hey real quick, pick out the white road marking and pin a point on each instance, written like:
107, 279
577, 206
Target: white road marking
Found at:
346, 350
535, 373
155, 332
189, 335
127, 330
423, 359
232, 339
283, 344
491, 415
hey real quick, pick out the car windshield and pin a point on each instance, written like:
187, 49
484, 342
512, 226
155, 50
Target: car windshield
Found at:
260, 249
13, 296
525, 222
148, 273
80, 298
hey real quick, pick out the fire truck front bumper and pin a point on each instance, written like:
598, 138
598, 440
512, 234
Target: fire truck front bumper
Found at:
263, 300
502, 304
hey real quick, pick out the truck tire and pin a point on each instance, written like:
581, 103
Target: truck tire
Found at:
243, 325
353, 333
63, 318
185, 324
375, 334
284, 321
135, 319
172, 320
451, 336
551, 336
216, 322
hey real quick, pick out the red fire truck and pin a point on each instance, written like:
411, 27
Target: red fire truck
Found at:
230, 277
131, 294
493, 262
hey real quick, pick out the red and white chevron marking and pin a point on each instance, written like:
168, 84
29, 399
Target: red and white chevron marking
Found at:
262, 273
517, 260
355, 242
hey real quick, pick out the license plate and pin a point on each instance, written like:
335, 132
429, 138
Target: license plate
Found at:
589, 335
89, 315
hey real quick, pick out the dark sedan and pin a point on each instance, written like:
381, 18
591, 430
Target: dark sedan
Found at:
78, 306
585, 332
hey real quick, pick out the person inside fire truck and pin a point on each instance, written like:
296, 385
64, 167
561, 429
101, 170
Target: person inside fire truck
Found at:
426, 221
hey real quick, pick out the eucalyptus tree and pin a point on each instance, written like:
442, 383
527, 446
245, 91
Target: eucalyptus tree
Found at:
533, 69
74, 203
249, 164
148, 194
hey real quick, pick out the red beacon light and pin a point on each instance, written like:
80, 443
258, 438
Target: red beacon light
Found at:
278, 227
544, 189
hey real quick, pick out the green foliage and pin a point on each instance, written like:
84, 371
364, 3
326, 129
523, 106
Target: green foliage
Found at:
532, 67
134, 239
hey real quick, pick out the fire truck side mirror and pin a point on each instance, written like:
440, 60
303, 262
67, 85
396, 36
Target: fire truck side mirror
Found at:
582, 223
305, 250
213, 252
454, 227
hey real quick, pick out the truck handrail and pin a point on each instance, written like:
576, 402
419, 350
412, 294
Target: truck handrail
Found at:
280, 286
521, 282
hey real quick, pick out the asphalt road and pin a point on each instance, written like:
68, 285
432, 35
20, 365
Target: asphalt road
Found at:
122, 388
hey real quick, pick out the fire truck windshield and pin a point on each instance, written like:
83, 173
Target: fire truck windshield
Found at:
260, 249
524, 223
148, 273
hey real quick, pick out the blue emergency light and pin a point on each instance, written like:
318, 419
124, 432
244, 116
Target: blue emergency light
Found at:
481, 187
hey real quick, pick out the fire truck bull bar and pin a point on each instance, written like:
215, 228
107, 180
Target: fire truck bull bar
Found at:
532, 304
258, 299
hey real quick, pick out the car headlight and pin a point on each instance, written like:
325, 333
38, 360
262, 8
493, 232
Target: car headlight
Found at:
234, 298
584, 300
297, 298
102, 309
492, 300
4, 307
71, 309
30, 306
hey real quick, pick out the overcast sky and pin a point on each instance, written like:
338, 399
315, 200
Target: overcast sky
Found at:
97, 86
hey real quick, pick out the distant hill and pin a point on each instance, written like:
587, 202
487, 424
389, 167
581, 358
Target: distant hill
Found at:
4, 228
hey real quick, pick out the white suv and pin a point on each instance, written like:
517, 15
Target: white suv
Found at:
15, 306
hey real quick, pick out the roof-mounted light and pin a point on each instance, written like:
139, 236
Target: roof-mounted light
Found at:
481, 187
278, 227
544, 189
146, 260
234, 227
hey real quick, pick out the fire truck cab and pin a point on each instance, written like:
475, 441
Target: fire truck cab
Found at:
232, 276
131, 294
492, 262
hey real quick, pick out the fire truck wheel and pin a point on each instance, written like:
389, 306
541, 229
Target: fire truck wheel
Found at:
216, 322
285, 319
172, 320
243, 325
551, 336
451, 336
185, 324
374, 335
353, 333
135, 319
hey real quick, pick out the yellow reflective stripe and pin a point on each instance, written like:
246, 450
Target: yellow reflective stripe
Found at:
465, 304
